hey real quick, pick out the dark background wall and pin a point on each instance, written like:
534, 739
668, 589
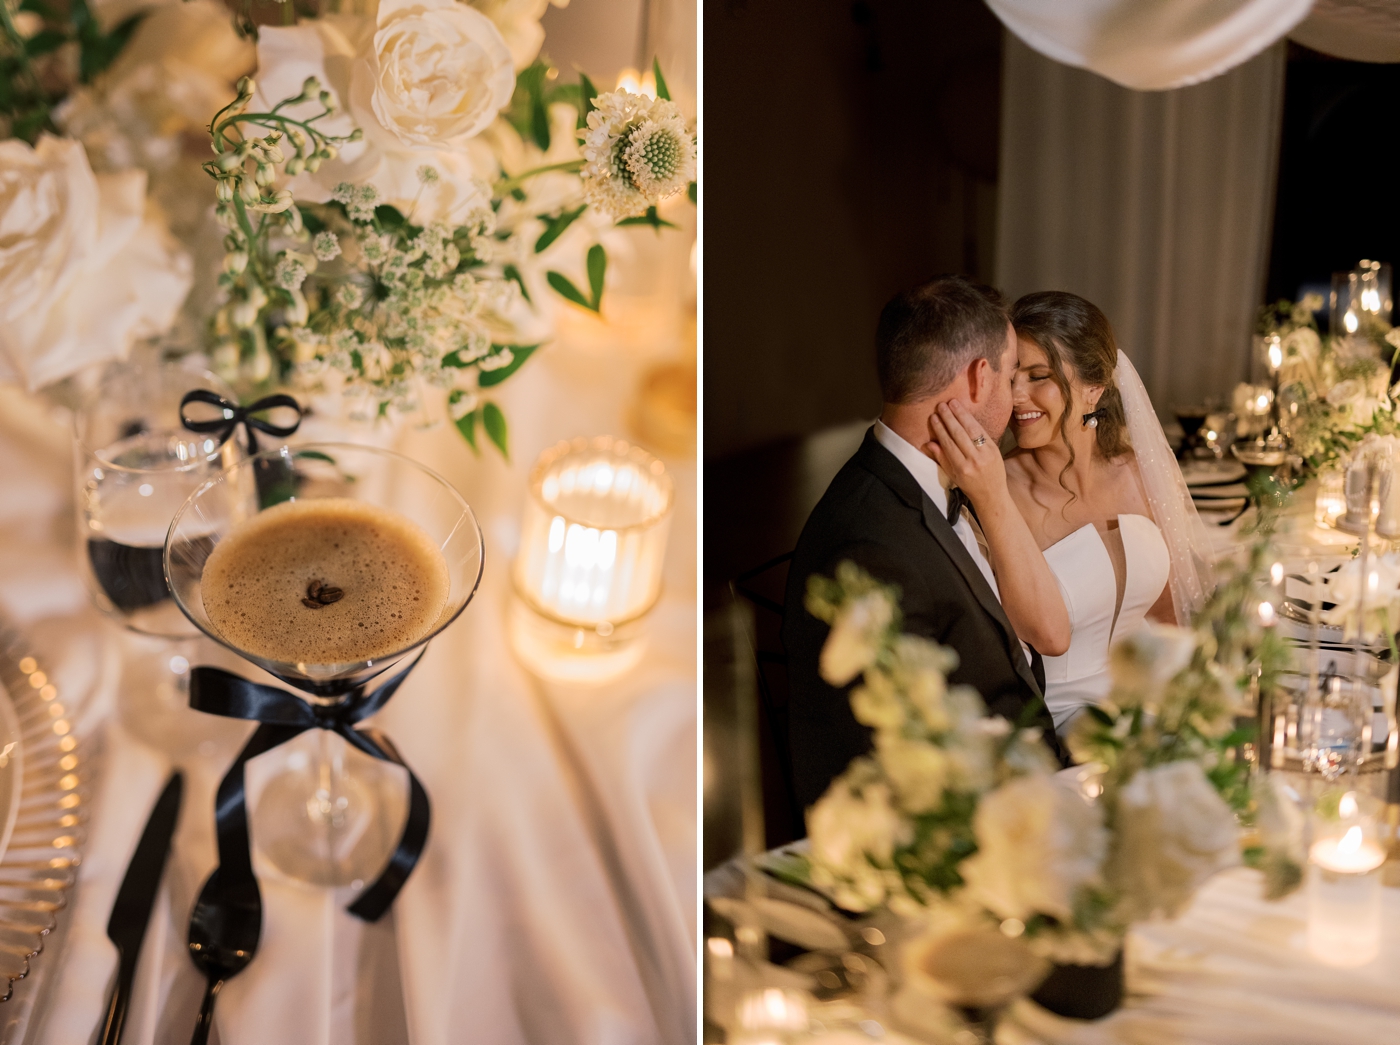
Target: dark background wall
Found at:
851, 151
1334, 204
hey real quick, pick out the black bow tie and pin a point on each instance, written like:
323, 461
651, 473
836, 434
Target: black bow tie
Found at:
957, 501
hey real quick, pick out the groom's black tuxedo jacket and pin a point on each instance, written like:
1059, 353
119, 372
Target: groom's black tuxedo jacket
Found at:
876, 514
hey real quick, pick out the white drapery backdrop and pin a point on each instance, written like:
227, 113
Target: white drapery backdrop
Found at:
1154, 45
1155, 206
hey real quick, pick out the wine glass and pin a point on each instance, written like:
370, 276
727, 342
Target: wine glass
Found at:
325, 819
135, 464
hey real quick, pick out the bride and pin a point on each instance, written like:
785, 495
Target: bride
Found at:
1092, 484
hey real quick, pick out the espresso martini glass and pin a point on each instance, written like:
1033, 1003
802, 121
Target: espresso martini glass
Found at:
325, 817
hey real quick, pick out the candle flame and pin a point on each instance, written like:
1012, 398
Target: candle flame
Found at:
1276, 573
1349, 321
720, 947
1266, 613
1373, 580
1351, 841
1276, 353
1262, 403
1347, 807
637, 83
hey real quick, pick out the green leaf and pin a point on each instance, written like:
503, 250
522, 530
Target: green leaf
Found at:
490, 378
388, 216
565, 287
466, 424
495, 424
315, 455
693, 191
587, 92
597, 266
661, 89
652, 218
311, 219
1099, 715
513, 274
45, 41
556, 227
539, 123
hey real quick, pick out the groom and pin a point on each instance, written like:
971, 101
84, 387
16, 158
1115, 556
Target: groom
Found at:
888, 510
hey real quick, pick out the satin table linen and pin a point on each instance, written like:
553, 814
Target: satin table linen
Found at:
555, 901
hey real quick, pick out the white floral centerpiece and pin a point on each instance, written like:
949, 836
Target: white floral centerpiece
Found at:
1334, 391
958, 824
405, 199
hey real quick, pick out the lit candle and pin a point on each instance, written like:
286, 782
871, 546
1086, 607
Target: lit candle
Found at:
1344, 889
1266, 614
773, 1009
591, 551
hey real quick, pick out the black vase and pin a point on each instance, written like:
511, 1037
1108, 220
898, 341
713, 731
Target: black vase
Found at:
1082, 992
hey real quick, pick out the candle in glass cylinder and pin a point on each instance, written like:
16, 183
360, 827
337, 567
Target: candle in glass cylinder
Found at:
1344, 888
592, 546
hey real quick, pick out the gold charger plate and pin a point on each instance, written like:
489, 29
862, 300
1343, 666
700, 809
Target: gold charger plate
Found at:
39, 865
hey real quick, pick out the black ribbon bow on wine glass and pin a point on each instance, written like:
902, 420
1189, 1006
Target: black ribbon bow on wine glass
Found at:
281, 716
234, 415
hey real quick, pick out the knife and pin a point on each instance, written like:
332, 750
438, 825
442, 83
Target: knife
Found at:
132, 910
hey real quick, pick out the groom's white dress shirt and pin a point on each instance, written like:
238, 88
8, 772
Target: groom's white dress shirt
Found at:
930, 477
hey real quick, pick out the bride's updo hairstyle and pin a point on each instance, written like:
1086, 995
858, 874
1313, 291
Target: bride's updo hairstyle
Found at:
1075, 336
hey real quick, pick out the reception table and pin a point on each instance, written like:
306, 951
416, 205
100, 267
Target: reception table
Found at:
556, 899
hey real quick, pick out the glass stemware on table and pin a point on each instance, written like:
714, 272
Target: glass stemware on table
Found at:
325, 818
135, 464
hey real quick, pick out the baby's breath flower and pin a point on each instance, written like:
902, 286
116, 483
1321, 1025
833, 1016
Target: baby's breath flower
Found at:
326, 246
290, 273
427, 175
349, 296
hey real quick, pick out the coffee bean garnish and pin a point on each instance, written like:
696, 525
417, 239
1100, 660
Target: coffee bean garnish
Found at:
319, 593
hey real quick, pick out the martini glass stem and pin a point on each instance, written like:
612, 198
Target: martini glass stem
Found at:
329, 806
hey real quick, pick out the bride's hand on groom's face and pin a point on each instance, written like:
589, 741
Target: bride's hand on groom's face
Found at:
965, 452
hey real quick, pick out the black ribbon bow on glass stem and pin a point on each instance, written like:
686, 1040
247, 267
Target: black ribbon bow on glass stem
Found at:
234, 415
281, 716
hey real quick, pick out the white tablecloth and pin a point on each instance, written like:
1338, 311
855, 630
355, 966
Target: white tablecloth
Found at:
555, 902
1234, 970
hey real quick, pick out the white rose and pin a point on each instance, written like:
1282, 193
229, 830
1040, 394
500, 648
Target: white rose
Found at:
855, 637
339, 51
519, 23
1381, 596
917, 770
1145, 660
1038, 844
85, 269
1174, 832
853, 822
441, 71
1346, 393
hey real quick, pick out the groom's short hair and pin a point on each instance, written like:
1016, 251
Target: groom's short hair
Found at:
927, 334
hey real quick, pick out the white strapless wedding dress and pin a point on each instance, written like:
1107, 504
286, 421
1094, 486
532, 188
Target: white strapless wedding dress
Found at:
1084, 568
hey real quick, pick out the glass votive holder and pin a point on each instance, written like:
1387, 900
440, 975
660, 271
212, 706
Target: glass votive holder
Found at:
771, 1016
1344, 880
592, 546
1331, 502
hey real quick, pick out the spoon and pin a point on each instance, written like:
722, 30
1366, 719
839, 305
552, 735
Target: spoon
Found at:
224, 930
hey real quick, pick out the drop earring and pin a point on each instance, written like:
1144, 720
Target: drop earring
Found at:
1091, 420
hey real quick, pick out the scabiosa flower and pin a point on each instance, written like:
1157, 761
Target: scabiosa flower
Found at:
637, 151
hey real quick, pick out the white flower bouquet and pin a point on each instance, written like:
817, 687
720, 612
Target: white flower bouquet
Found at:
406, 198
960, 823
1334, 391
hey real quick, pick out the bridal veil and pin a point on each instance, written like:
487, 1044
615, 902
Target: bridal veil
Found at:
1192, 577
